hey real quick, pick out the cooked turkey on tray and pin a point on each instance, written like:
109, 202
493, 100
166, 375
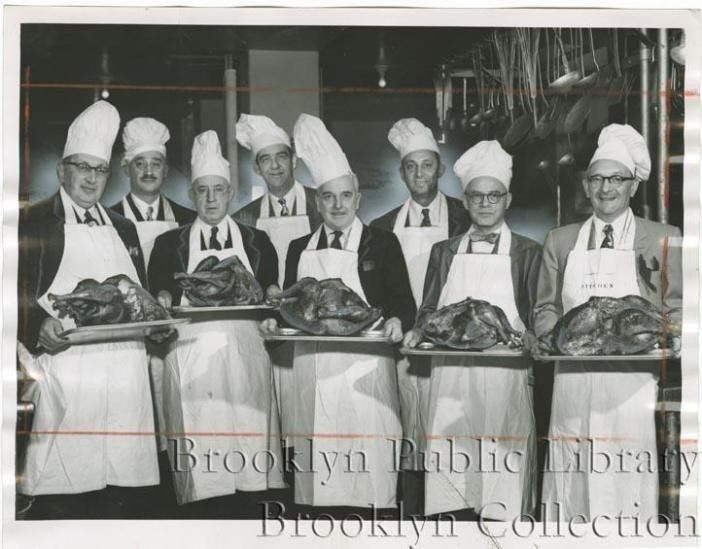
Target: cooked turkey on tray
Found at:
116, 300
216, 283
325, 307
612, 326
469, 325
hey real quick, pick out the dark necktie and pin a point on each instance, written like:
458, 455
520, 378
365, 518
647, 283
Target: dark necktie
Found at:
336, 242
478, 237
90, 220
426, 222
283, 207
150, 213
608, 241
214, 243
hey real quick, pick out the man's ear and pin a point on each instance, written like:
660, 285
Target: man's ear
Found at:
191, 194
165, 170
256, 169
60, 172
125, 167
294, 161
586, 188
508, 200
634, 188
441, 170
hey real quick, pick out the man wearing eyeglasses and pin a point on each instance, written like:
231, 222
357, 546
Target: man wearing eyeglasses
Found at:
479, 406
613, 253
346, 391
97, 388
218, 382
428, 216
286, 211
146, 165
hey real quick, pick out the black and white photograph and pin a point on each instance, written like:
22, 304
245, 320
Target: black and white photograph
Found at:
336, 276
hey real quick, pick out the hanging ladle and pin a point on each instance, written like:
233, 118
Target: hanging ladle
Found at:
589, 80
565, 82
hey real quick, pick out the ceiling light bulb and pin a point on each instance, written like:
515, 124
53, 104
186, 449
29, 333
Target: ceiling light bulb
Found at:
382, 82
105, 93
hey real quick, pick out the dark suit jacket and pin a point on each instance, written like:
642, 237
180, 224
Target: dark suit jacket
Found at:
41, 242
249, 214
172, 250
653, 248
525, 256
381, 269
458, 218
182, 215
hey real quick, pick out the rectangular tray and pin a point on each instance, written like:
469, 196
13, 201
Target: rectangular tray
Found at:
188, 310
429, 349
653, 355
290, 334
118, 332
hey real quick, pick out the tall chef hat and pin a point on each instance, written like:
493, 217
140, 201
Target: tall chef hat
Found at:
93, 132
484, 159
207, 157
409, 135
256, 132
319, 150
623, 144
143, 135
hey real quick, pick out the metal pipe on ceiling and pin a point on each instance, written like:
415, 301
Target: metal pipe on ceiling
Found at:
663, 126
644, 73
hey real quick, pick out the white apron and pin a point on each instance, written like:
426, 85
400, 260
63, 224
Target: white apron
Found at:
282, 230
100, 388
416, 243
218, 395
470, 399
148, 231
346, 403
611, 403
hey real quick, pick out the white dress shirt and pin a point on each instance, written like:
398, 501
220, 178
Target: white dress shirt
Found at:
222, 233
143, 207
415, 212
289, 202
68, 202
621, 227
483, 247
344, 235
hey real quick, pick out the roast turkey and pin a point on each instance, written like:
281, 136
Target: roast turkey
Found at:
470, 325
612, 326
325, 307
116, 300
216, 283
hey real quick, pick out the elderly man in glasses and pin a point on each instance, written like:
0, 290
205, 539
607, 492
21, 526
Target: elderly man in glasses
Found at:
75, 464
609, 405
476, 406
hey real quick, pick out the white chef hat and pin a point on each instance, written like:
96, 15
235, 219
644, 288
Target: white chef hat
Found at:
93, 132
207, 157
143, 135
319, 150
622, 143
484, 159
409, 135
256, 132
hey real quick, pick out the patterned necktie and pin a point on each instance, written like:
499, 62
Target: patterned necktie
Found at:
90, 220
214, 243
478, 237
283, 207
426, 222
608, 241
336, 242
150, 213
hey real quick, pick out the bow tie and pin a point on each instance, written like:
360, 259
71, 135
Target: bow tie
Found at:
478, 237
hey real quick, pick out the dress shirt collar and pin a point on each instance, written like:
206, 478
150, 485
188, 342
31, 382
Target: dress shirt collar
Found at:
144, 206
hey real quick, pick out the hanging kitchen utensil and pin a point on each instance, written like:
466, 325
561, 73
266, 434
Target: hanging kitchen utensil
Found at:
587, 80
477, 118
565, 82
590, 80
677, 52
577, 115
518, 132
505, 49
617, 84
529, 48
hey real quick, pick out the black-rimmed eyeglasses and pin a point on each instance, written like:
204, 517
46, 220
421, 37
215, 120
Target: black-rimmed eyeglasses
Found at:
84, 168
492, 198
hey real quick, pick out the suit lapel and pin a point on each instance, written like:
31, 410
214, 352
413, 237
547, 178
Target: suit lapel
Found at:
252, 251
54, 244
364, 245
183, 250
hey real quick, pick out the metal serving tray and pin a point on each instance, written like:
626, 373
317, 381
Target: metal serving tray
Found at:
119, 332
292, 334
430, 349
